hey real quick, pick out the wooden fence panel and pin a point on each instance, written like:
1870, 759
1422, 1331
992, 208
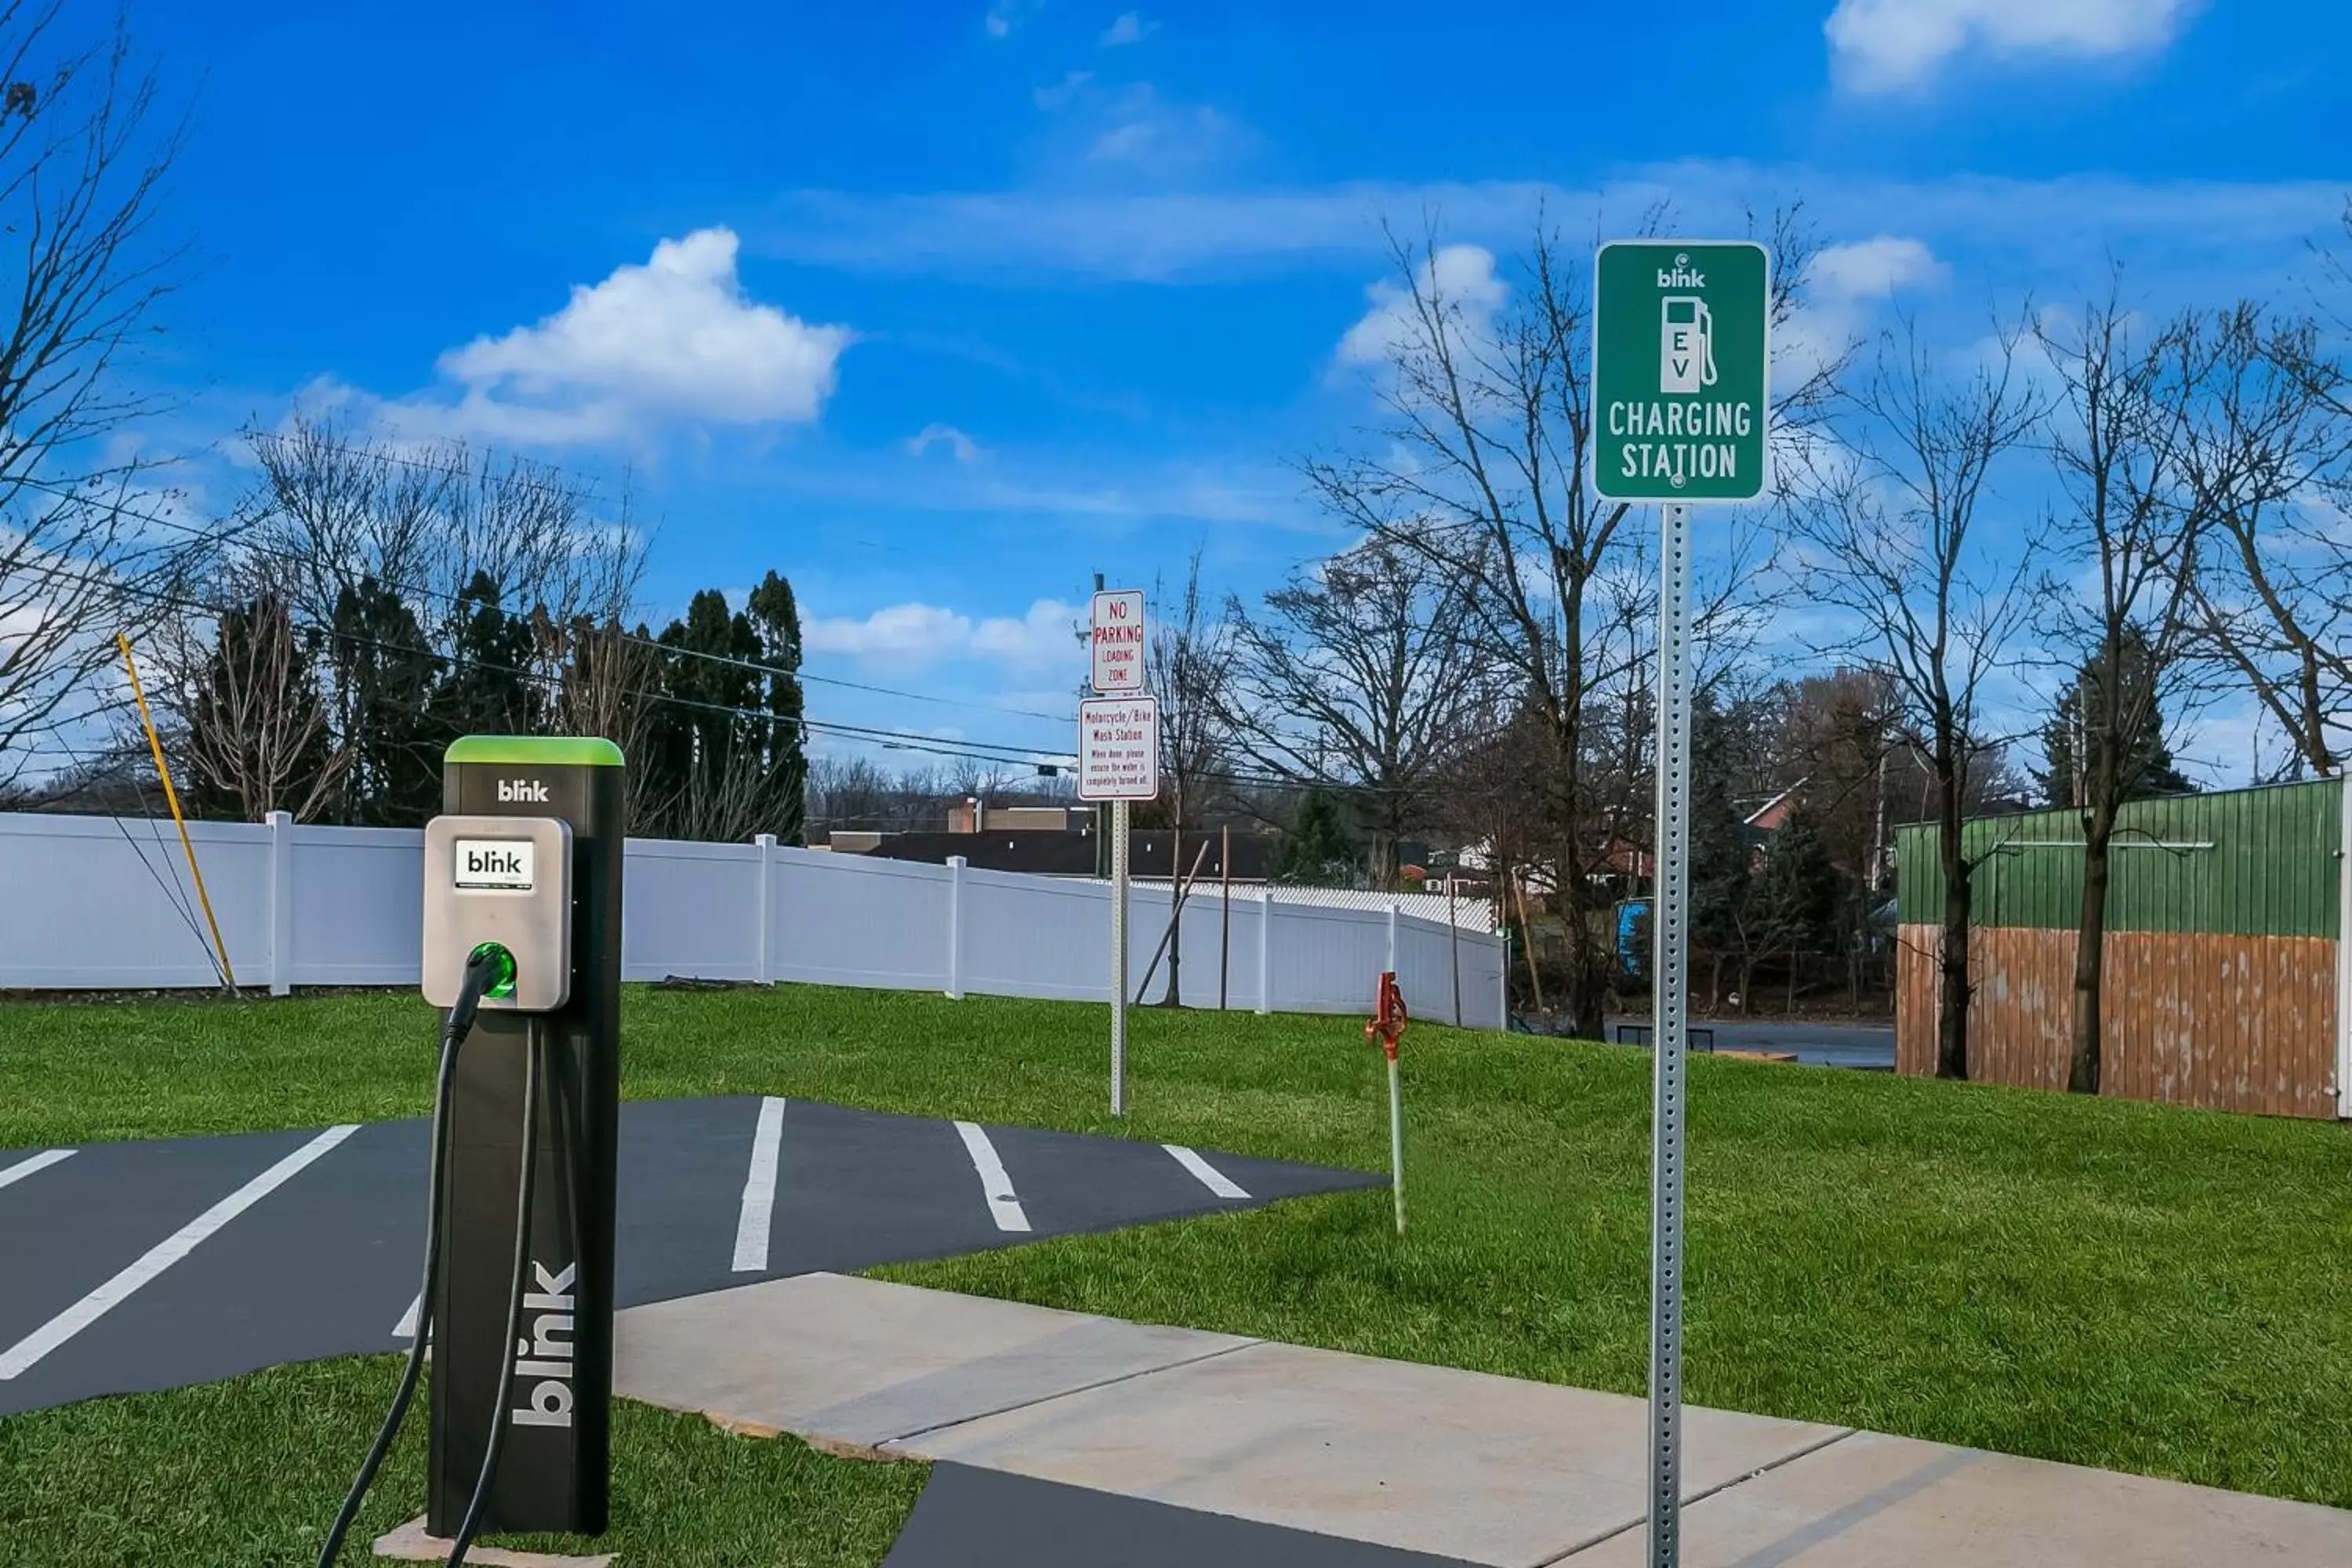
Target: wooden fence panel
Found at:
2227, 1023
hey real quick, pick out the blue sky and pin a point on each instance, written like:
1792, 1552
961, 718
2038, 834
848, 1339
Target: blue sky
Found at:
955, 304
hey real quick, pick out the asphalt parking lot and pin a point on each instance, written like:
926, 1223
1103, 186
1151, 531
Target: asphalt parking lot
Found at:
164, 1262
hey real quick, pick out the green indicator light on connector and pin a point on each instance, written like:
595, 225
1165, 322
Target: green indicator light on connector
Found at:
502, 969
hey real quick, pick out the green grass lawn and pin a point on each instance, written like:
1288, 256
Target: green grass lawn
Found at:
2130, 1286
248, 1474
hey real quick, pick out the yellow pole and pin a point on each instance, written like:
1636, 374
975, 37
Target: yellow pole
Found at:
164, 770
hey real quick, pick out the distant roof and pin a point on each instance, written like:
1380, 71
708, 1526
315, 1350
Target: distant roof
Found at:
1149, 852
1769, 816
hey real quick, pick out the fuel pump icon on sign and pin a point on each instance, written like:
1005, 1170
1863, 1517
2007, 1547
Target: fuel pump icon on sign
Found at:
1685, 345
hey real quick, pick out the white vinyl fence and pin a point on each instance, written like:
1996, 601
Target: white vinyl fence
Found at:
1469, 913
106, 902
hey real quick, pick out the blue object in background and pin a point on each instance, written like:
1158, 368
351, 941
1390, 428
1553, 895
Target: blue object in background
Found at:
1631, 917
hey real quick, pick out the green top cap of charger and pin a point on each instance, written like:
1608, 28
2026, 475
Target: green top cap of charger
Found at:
539, 750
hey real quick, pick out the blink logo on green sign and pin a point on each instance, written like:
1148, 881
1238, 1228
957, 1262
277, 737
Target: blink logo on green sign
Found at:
1681, 354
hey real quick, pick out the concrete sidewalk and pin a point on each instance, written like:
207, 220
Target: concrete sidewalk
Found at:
1456, 1463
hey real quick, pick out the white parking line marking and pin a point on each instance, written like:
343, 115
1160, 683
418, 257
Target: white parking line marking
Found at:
1216, 1181
29, 1349
760, 1191
40, 1162
1004, 1207
406, 1328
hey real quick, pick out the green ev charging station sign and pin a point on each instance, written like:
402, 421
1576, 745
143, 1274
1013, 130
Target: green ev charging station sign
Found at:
1680, 350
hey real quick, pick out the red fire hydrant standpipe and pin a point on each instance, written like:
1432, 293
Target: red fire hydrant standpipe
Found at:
1387, 1026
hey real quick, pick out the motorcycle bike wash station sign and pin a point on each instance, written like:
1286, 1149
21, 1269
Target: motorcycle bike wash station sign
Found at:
1119, 749
1679, 356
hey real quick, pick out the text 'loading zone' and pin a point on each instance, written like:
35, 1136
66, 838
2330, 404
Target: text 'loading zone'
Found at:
1680, 360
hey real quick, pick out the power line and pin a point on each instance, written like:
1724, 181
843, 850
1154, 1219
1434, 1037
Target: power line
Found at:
998, 753
904, 740
456, 601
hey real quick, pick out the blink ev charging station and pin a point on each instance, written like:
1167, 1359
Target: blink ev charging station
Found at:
522, 948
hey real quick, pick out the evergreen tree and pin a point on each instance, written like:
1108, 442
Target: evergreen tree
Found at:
1722, 850
1797, 892
487, 689
776, 619
1319, 851
2146, 767
724, 755
385, 676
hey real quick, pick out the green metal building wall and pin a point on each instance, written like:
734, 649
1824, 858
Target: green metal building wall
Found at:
2224, 983
2248, 862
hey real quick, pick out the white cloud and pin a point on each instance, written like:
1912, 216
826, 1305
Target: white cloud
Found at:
1059, 95
1462, 274
1895, 46
1039, 639
1873, 268
1130, 28
1845, 282
914, 634
911, 634
673, 339
2071, 224
1006, 15
1144, 131
935, 435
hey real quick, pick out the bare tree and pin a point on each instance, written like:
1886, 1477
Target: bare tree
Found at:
1357, 674
604, 685
338, 508
1927, 598
603, 680
395, 548
849, 793
2260, 448
83, 156
2129, 531
725, 801
344, 506
244, 691
1479, 470
1190, 671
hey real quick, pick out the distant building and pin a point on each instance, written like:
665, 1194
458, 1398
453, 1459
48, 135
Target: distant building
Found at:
978, 816
1073, 852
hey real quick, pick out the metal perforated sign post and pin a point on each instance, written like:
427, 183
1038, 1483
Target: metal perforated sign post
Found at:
1118, 761
1670, 1040
1119, 958
1681, 371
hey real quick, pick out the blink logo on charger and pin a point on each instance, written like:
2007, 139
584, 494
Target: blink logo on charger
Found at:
526, 791
493, 865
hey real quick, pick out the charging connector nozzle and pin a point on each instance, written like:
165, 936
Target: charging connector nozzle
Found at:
489, 972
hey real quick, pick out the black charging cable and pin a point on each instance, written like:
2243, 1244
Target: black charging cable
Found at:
487, 967
499, 1415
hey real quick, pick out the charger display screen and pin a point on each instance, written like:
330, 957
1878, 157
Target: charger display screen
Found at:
493, 865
